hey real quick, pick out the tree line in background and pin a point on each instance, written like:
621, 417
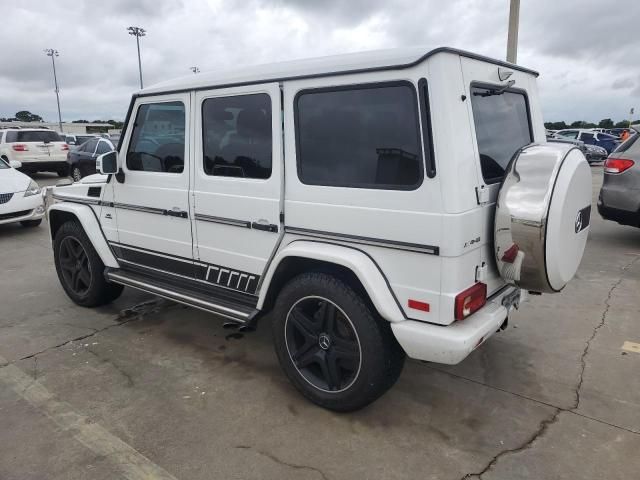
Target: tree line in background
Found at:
26, 116
604, 123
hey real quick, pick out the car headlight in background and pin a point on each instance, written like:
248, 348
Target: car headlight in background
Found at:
32, 189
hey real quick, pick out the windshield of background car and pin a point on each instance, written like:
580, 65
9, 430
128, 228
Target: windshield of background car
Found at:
33, 136
502, 128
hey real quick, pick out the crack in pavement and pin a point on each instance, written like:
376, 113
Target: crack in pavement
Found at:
127, 315
275, 459
546, 423
603, 319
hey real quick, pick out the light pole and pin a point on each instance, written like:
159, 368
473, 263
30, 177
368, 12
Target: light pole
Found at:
512, 39
50, 52
194, 69
138, 32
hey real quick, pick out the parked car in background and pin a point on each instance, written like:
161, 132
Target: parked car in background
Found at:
37, 150
604, 140
82, 160
20, 197
619, 198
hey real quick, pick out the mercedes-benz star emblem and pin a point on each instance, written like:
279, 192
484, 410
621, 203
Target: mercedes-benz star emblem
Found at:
324, 341
579, 221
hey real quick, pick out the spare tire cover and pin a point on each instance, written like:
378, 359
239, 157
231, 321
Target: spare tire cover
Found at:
542, 217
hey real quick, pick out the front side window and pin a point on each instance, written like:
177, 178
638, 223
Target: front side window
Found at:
103, 147
361, 137
158, 137
237, 137
502, 126
89, 146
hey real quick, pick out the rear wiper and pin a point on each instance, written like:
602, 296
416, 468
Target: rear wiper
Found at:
498, 91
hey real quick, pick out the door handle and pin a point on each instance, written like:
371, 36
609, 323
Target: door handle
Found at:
176, 212
265, 227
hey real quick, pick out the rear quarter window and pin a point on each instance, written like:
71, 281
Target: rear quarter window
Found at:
33, 136
628, 143
502, 126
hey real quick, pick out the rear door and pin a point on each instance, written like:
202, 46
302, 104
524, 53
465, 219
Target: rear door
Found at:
237, 184
152, 197
502, 121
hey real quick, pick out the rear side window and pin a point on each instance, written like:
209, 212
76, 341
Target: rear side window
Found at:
33, 136
157, 140
236, 135
363, 137
502, 128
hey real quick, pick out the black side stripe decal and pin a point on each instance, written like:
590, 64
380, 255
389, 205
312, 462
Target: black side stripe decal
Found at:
217, 275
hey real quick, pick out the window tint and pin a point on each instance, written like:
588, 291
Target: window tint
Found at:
587, 137
103, 147
569, 134
33, 136
89, 146
502, 127
157, 140
363, 137
237, 136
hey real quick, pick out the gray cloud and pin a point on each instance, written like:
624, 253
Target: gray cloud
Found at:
586, 53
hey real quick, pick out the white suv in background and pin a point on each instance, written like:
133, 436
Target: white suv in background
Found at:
376, 205
37, 149
20, 197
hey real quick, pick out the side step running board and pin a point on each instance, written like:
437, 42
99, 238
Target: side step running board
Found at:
242, 315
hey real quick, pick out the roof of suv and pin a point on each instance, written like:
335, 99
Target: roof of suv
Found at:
397, 58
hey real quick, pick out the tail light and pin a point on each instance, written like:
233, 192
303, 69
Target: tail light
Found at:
617, 165
19, 147
65, 146
470, 301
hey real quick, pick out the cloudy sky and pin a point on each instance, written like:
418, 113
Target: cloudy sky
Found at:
587, 52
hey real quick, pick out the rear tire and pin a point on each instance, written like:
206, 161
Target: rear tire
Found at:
80, 269
31, 223
333, 347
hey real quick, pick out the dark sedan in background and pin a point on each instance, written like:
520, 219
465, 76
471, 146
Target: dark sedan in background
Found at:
82, 160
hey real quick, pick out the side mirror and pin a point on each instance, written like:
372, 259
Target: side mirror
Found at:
107, 163
15, 164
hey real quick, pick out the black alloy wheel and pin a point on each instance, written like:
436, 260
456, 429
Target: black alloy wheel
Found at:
74, 266
323, 344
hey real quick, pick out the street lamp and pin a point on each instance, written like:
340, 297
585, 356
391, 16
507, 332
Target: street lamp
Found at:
138, 32
50, 52
194, 69
512, 39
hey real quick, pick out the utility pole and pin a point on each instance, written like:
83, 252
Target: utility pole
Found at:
194, 69
50, 52
512, 40
138, 32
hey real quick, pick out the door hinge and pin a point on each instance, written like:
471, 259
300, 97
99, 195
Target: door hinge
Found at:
482, 195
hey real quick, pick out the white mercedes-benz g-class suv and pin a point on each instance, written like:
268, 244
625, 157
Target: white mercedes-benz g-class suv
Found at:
373, 205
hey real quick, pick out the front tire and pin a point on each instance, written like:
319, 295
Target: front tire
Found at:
333, 347
80, 269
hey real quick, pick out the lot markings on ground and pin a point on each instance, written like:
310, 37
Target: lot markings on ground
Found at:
631, 347
132, 464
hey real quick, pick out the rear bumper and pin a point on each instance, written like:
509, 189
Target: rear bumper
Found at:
624, 217
45, 165
452, 343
